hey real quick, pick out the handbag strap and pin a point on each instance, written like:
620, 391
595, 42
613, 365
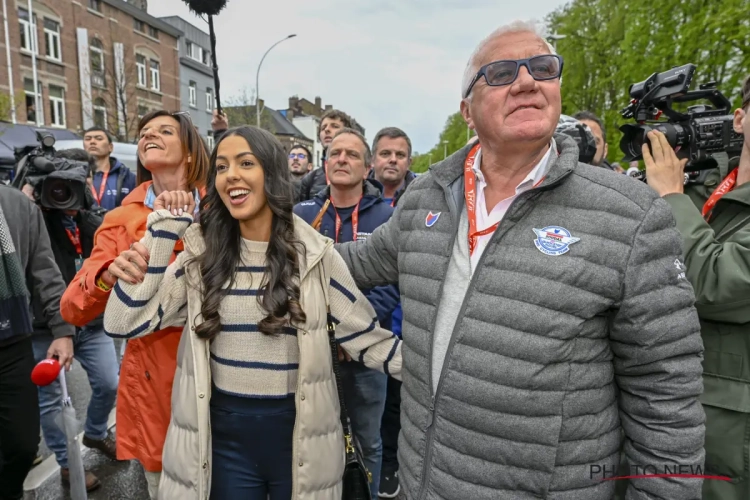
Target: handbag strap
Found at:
333, 343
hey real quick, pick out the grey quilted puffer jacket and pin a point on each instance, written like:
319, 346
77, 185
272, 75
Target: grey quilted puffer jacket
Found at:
557, 363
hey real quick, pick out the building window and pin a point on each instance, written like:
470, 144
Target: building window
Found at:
206, 57
100, 113
210, 139
192, 95
27, 28
97, 63
95, 5
138, 25
52, 38
57, 106
140, 66
142, 111
209, 99
153, 32
155, 81
195, 52
31, 108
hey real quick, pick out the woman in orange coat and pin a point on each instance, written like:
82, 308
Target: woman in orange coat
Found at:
171, 156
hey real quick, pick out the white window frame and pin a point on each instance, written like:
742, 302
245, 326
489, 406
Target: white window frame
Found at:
155, 77
52, 38
195, 52
210, 140
38, 102
57, 109
209, 100
29, 33
193, 94
103, 109
103, 71
141, 70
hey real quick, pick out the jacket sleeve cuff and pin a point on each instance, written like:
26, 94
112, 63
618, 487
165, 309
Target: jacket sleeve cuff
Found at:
93, 292
63, 330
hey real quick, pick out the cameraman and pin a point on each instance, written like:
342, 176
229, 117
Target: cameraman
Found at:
72, 235
716, 240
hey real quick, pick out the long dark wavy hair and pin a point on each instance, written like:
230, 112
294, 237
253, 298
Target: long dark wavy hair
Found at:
280, 293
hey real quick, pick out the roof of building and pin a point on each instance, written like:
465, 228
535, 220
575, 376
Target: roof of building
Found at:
144, 16
284, 126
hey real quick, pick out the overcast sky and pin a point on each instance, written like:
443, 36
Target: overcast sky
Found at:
385, 62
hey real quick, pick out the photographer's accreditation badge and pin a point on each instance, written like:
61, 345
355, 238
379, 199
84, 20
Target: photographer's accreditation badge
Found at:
79, 264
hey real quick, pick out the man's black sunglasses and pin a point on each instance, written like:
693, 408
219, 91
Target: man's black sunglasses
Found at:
499, 73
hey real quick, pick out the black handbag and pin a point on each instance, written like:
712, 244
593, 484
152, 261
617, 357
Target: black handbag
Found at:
357, 479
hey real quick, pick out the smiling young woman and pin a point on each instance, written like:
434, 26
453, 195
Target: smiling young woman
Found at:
171, 157
258, 411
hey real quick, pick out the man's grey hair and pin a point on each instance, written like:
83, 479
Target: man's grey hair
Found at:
472, 66
365, 147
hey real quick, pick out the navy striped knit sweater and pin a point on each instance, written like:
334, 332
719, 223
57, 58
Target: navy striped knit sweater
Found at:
244, 362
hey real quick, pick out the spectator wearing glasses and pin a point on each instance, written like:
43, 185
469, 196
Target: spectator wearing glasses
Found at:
299, 164
112, 180
547, 326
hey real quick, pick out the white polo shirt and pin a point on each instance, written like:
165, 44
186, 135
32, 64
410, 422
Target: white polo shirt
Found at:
484, 219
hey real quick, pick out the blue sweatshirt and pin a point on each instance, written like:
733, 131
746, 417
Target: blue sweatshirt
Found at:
109, 198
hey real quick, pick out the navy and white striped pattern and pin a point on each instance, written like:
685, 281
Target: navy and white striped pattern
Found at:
244, 361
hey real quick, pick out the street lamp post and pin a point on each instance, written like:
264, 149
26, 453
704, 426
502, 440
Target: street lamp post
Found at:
553, 38
257, 81
445, 150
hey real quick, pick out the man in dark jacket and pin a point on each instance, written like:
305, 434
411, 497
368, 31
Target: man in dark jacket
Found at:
28, 268
72, 237
112, 181
351, 208
715, 231
546, 328
331, 123
391, 160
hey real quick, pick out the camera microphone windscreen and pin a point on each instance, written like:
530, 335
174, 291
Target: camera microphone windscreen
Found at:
43, 164
210, 7
45, 372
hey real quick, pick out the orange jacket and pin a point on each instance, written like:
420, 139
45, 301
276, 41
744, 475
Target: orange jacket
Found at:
148, 368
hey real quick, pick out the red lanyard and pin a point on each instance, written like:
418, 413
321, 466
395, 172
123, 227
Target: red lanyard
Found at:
355, 221
102, 187
75, 239
470, 194
726, 185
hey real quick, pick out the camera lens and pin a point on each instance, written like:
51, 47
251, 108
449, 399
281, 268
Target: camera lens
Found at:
59, 194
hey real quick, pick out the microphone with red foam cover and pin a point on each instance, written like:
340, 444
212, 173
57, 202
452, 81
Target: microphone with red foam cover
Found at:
45, 372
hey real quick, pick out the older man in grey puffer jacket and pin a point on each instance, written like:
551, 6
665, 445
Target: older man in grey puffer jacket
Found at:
568, 339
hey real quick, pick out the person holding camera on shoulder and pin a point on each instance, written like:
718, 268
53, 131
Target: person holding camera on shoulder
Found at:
71, 230
716, 240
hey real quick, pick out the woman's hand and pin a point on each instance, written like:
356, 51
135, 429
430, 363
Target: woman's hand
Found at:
131, 265
177, 202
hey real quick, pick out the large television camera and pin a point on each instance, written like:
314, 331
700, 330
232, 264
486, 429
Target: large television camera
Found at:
59, 183
695, 135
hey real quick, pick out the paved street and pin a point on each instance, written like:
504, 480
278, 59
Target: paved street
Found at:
120, 480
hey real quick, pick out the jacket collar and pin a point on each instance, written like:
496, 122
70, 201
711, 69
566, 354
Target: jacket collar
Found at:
410, 176
372, 192
561, 164
316, 245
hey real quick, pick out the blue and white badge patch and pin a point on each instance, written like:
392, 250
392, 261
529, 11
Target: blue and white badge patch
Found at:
431, 219
554, 240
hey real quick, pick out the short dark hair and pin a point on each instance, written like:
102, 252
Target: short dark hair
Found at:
391, 133
335, 114
77, 154
98, 129
588, 115
302, 146
368, 152
746, 93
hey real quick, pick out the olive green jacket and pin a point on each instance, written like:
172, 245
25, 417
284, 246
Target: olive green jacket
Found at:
717, 258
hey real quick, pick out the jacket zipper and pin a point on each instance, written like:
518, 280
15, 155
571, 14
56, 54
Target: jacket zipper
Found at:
434, 395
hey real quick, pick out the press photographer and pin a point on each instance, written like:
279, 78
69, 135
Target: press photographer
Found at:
716, 240
57, 182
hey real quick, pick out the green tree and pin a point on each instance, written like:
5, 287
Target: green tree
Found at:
7, 104
610, 44
452, 138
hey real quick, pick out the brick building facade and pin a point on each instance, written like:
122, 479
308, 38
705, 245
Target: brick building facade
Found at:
103, 62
